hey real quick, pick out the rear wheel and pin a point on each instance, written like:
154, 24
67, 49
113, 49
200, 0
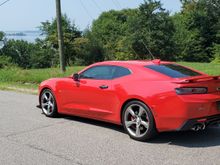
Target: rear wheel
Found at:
48, 103
138, 121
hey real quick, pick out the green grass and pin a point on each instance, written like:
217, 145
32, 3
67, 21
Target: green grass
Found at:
28, 80
33, 75
209, 68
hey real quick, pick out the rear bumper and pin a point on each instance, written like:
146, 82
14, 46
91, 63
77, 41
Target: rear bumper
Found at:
207, 121
182, 112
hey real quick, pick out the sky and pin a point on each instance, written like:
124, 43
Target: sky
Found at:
20, 15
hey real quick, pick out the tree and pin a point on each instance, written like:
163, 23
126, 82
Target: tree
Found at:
153, 29
181, 35
43, 55
111, 29
201, 19
70, 32
2, 35
216, 51
88, 49
19, 51
5, 61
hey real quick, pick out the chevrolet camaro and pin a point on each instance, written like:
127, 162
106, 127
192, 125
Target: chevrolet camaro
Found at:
146, 97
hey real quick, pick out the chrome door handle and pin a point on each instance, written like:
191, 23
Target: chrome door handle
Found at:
103, 87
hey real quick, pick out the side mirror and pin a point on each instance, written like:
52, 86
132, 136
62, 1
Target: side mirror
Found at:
76, 77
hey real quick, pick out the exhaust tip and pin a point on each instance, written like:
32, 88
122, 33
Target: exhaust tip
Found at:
198, 127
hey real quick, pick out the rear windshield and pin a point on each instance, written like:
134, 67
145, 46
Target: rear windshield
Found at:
173, 70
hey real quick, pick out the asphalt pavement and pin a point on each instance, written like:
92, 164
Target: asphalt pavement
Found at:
27, 137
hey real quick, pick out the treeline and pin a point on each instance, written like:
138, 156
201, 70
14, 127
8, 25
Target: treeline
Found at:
193, 34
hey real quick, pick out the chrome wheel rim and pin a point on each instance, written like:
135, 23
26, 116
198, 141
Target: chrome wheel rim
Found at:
136, 120
47, 103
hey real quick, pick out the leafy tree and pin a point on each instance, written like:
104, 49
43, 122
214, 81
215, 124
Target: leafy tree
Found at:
111, 29
216, 27
2, 37
190, 35
70, 32
216, 51
181, 35
5, 61
28, 55
127, 34
43, 56
201, 19
19, 51
152, 29
88, 49
2, 34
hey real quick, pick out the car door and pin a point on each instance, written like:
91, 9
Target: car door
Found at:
92, 95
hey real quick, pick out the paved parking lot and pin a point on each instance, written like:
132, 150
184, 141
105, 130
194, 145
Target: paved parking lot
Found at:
28, 137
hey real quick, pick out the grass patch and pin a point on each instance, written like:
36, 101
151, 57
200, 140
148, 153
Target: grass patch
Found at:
209, 68
34, 75
28, 80
20, 87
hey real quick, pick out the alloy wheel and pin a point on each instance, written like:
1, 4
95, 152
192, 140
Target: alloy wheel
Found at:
136, 120
47, 103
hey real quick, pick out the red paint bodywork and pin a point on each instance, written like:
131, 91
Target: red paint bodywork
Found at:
170, 111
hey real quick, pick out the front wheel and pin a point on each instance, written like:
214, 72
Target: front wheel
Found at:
48, 103
138, 121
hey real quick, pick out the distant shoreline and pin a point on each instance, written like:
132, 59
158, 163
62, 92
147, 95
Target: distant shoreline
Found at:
28, 35
16, 34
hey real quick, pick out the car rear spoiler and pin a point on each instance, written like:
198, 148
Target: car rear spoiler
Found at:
197, 79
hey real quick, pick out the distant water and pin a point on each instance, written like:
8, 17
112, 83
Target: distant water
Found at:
29, 36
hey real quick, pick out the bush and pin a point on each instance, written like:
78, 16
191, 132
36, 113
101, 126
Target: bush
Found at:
216, 54
5, 62
19, 51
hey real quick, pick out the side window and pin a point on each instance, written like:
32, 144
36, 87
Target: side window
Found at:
98, 72
120, 72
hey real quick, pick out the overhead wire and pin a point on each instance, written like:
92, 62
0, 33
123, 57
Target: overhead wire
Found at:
118, 3
97, 5
84, 7
1, 4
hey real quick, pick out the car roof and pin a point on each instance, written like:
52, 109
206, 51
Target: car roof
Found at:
133, 62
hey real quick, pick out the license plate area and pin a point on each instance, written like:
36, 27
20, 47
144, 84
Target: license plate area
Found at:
218, 105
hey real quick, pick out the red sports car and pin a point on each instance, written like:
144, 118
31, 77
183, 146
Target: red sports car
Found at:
146, 97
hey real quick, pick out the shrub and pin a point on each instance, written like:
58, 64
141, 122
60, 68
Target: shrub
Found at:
5, 62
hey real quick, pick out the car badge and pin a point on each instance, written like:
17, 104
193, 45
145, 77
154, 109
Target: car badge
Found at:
218, 89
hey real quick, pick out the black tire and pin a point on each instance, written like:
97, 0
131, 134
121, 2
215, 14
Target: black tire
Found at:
148, 131
46, 104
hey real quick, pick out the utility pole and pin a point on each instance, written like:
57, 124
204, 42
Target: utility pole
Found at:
60, 36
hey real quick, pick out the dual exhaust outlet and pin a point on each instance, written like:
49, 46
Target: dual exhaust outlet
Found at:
198, 127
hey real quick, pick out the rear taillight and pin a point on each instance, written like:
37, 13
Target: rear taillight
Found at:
188, 91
